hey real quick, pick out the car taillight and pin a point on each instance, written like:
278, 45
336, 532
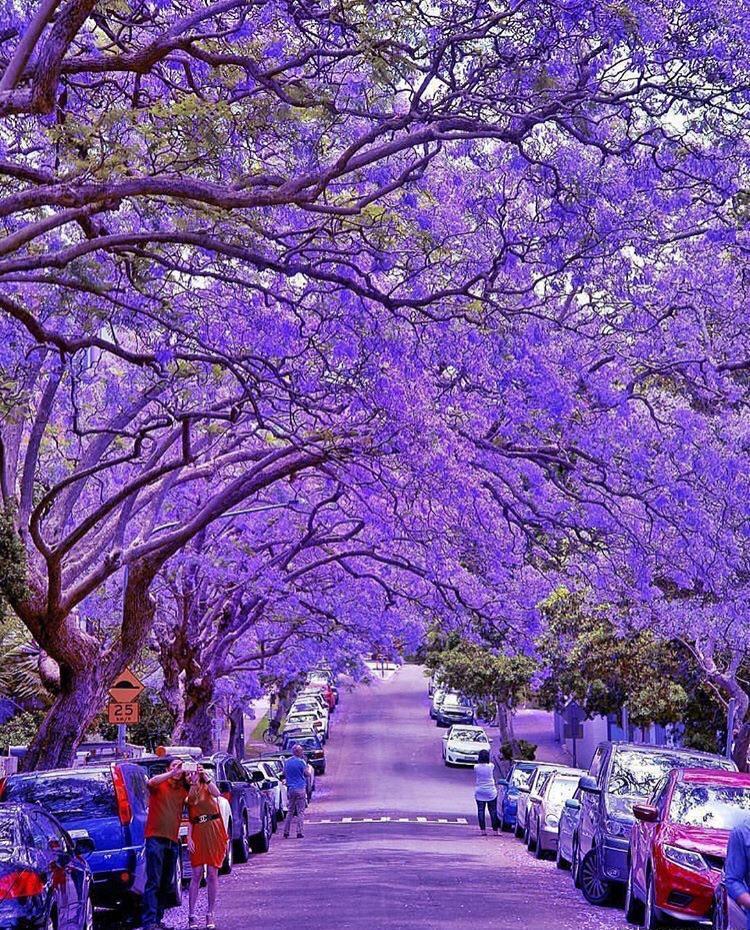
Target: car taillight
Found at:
124, 808
20, 885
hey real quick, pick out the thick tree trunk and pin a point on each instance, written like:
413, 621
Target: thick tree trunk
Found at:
236, 744
88, 668
505, 725
83, 693
196, 728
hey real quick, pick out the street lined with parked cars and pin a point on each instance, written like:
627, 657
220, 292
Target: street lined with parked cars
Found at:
73, 841
645, 826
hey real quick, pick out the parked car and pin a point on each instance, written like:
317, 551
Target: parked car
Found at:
437, 699
727, 914
265, 776
679, 843
313, 747
621, 774
462, 744
313, 721
545, 807
155, 765
525, 792
317, 699
454, 708
107, 805
45, 880
251, 812
566, 830
508, 789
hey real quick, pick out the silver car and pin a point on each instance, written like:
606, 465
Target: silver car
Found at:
525, 791
566, 830
545, 809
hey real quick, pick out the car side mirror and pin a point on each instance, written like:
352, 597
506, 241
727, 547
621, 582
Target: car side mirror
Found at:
573, 804
84, 846
588, 783
257, 777
646, 813
535, 798
266, 784
225, 787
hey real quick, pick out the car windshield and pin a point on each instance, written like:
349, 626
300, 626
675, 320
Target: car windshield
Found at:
521, 778
636, 773
7, 830
720, 807
306, 742
560, 790
83, 793
468, 736
456, 699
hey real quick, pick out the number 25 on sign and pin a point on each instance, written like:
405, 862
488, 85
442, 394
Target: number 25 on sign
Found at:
124, 713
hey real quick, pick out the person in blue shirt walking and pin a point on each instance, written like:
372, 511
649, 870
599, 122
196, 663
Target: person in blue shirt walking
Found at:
296, 775
737, 867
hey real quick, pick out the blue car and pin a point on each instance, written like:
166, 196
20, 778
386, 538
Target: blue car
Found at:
44, 880
508, 790
108, 805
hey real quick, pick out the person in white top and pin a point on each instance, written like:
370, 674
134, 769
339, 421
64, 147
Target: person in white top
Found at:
485, 792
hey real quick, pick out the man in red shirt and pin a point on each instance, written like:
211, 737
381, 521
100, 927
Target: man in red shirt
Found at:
167, 794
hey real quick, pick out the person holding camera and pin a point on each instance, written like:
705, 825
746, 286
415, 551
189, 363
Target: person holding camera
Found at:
167, 793
207, 841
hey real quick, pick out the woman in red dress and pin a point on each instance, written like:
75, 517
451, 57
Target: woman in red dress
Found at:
207, 841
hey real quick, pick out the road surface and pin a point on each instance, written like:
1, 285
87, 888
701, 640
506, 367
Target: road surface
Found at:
392, 844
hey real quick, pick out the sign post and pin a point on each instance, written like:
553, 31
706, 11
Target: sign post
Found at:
123, 708
573, 716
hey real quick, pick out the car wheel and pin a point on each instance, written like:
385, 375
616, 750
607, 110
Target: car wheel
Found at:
242, 844
596, 889
560, 861
633, 907
51, 922
228, 863
88, 914
652, 914
274, 821
527, 833
518, 832
260, 842
505, 825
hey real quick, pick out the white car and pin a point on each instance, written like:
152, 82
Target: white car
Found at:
304, 705
303, 721
315, 697
462, 744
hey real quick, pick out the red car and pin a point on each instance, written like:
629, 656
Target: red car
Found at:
679, 843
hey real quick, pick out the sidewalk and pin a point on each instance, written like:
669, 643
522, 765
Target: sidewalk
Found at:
537, 726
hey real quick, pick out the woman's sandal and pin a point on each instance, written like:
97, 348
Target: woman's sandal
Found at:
210, 922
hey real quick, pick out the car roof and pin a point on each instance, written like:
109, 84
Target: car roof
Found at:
83, 770
649, 747
467, 726
714, 777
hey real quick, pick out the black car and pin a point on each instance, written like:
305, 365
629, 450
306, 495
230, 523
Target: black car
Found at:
44, 878
314, 752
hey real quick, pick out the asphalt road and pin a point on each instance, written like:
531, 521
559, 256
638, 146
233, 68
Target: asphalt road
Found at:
368, 862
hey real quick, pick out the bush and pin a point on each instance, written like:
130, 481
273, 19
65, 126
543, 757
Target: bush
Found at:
526, 750
20, 729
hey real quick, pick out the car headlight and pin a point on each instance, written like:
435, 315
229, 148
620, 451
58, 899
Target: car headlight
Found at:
615, 827
686, 858
551, 820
